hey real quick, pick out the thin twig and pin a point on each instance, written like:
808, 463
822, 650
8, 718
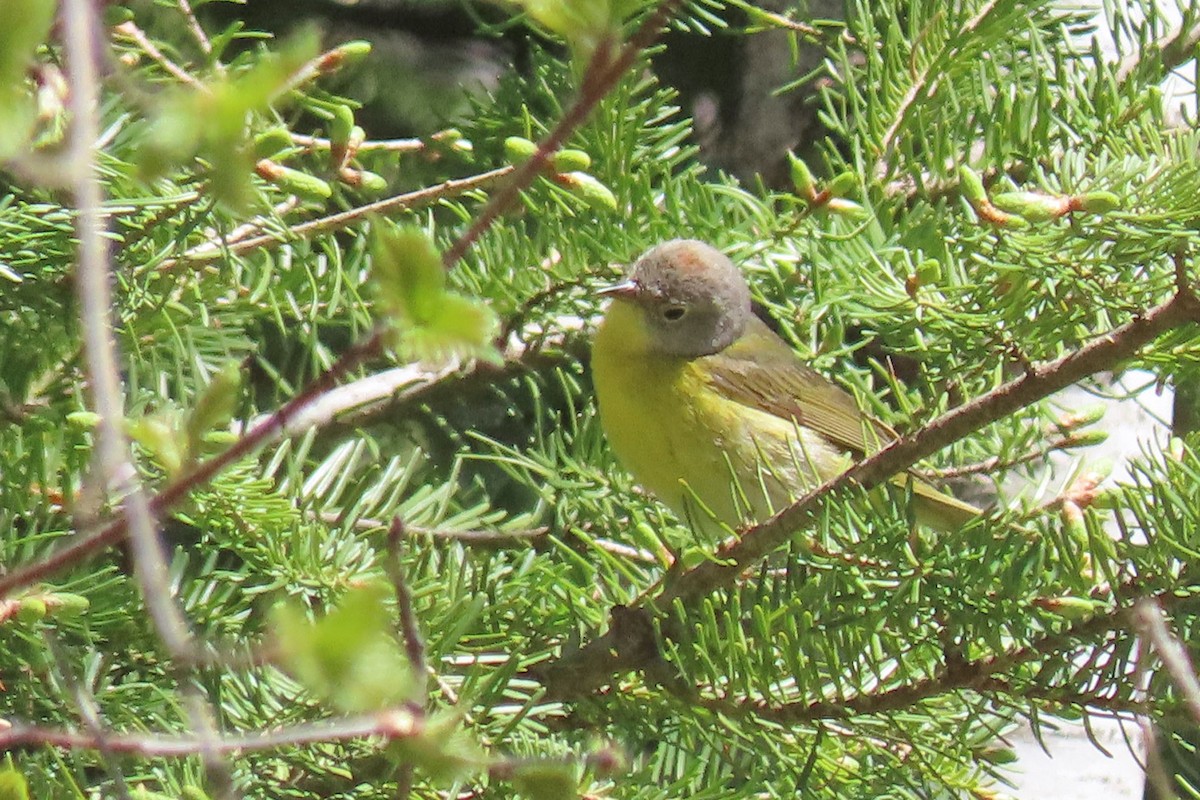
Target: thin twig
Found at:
485, 538
366, 391
600, 76
92, 286
410, 629
386, 145
1150, 623
81, 32
99, 344
396, 723
197, 32
335, 222
1156, 773
218, 243
996, 463
138, 36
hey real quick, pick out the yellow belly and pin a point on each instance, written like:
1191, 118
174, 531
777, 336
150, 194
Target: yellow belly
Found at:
708, 458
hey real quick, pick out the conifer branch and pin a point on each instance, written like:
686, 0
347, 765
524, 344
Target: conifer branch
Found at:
1171, 51
83, 545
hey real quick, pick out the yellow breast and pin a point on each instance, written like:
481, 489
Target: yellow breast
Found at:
706, 457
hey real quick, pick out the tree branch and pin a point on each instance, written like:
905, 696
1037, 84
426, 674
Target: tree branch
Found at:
209, 251
599, 78
85, 544
396, 723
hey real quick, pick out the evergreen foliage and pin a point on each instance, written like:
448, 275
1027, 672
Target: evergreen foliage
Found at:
864, 658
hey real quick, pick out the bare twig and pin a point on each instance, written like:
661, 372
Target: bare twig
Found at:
396, 723
364, 392
139, 37
197, 32
386, 145
996, 463
486, 538
99, 345
1173, 50
1150, 622
218, 242
410, 629
590, 667
82, 30
335, 222
1156, 773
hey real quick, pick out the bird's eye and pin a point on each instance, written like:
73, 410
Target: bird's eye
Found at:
673, 313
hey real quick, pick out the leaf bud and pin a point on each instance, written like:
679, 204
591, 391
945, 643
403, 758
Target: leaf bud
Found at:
584, 185
1084, 439
570, 160
272, 142
1088, 415
291, 180
518, 149
31, 609
1069, 607
843, 184
972, 185
369, 182
1096, 202
846, 208
802, 177
84, 419
341, 127
343, 55
1033, 206
67, 604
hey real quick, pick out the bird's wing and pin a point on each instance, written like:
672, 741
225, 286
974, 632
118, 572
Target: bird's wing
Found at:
761, 371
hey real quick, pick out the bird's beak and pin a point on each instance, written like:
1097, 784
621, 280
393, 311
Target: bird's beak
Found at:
624, 290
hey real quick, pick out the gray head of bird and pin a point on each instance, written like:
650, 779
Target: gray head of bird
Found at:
692, 299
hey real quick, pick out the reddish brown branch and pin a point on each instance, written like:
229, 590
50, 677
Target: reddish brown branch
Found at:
600, 76
83, 545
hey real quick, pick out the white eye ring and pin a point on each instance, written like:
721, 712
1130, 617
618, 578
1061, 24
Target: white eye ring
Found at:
673, 313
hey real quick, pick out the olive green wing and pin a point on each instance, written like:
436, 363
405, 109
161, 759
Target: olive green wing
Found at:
761, 371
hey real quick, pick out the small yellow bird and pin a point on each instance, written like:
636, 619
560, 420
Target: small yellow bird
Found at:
714, 413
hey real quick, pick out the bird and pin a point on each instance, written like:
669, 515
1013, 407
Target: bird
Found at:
714, 413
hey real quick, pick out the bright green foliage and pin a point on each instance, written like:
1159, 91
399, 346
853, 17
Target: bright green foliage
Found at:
24, 30
12, 785
522, 533
349, 657
584, 24
210, 121
432, 323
